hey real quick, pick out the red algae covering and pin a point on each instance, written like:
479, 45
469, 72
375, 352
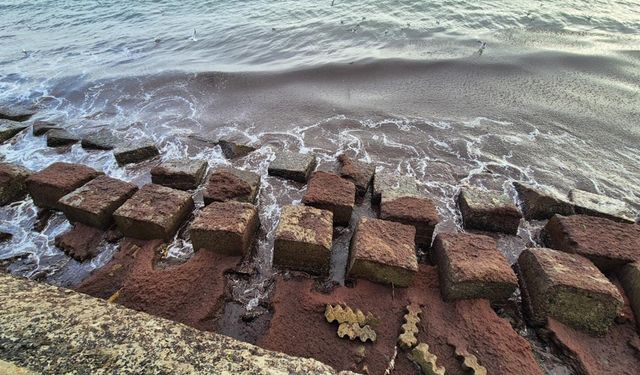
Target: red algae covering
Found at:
81, 242
299, 328
328, 188
189, 293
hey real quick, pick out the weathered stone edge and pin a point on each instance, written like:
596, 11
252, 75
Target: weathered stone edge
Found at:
52, 330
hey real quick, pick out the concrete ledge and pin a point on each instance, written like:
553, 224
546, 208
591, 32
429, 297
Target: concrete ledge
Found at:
50, 330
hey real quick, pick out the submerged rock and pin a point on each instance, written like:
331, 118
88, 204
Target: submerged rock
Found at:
470, 266
384, 252
233, 149
57, 180
60, 137
9, 129
225, 227
103, 139
135, 152
12, 183
328, 191
303, 239
153, 212
540, 203
5, 236
182, 174
587, 203
568, 288
292, 166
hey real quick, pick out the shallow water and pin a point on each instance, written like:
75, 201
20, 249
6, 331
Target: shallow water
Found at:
451, 92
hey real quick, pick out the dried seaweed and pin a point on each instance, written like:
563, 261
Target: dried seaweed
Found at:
409, 329
353, 331
426, 360
470, 362
347, 315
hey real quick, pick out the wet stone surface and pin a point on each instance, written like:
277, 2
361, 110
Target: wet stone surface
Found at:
41, 127
231, 184
57, 180
135, 152
8, 129
328, 191
225, 227
587, 203
421, 213
608, 244
540, 204
60, 137
16, 112
103, 139
470, 266
630, 279
393, 186
232, 149
303, 239
81, 242
490, 211
93, 203
383, 252
182, 174
12, 183
153, 212
569, 288
358, 172
292, 166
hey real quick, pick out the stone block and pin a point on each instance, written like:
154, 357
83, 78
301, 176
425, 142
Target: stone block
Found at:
41, 127
231, 184
540, 203
330, 192
360, 173
135, 152
421, 213
232, 149
103, 139
60, 137
12, 183
490, 211
292, 166
225, 227
608, 244
182, 174
153, 212
303, 239
94, 203
470, 266
587, 203
630, 279
568, 288
81, 242
9, 129
384, 252
397, 186
57, 180
16, 112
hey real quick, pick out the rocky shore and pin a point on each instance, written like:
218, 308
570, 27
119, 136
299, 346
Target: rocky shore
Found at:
571, 292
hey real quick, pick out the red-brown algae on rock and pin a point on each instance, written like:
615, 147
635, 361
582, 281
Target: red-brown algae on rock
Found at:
231, 184
608, 244
328, 191
182, 174
94, 202
303, 239
569, 288
81, 242
419, 212
358, 172
587, 203
57, 180
470, 266
12, 183
384, 252
153, 212
491, 211
225, 227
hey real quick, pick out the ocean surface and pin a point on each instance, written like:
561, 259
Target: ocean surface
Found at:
452, 92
